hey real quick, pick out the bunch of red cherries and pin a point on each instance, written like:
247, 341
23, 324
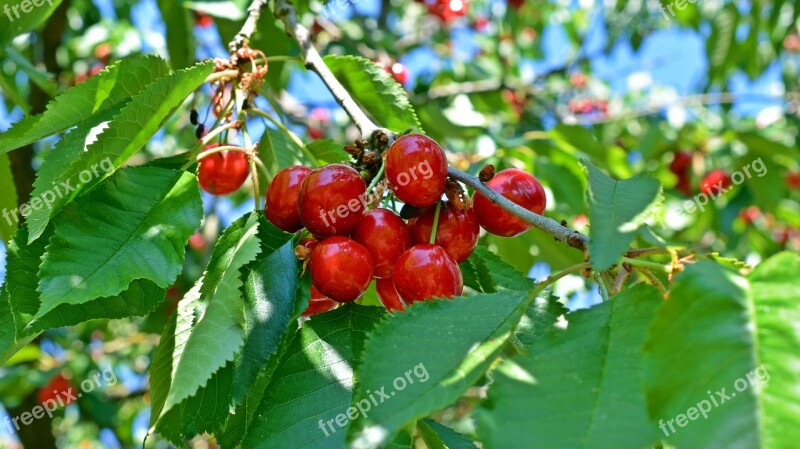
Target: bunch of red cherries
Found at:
352, 244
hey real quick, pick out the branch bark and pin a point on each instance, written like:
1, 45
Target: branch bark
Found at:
285, 12
571, 237
249, 27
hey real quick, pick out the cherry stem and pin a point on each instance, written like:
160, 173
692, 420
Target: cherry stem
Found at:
286, 131
207, 153
601, 285
573, 238
555, 277
653, 280
648, 265
435, 223
377, 177
285, 12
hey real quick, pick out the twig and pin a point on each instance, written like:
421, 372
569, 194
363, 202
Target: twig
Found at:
285, 12
573, 238
249, 27
653, 280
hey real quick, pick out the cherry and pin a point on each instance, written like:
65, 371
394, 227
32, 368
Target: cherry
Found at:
58, 387
319, 303
331, 200
416, 167
223, 173
715, 182
197, 242
204, 20
516, 4
281, 198
457, 233
399, 72
518, 186
308, 242
385, 236
388, 295
425, 272
681, 162
578, 80
750, 214
448, 10
341, 268
793, 180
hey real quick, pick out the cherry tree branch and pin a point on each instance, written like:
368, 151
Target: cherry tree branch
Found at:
285, 12
571, 237
249, 27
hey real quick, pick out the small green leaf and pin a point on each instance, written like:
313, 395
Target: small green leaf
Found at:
485, 272
134, 226
327, 151
375, 90
437, 436
113, 85
8, 200
588, 371
616, 211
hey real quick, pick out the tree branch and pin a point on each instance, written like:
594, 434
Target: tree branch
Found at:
285, 12
249, 27
573, 238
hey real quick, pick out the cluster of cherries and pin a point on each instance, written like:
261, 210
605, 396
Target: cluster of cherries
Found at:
712, 184
352, 244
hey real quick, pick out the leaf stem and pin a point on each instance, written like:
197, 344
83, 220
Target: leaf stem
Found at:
649, 265
552, 279
435, 222
207, 153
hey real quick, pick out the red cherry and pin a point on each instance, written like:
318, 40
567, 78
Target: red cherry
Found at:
204, 20
750, 214
521, 188
223, 173
197, 242
448, 10
793, 180
315, 133
58, 388
457, 232
416, 167
684, 185
680, 162
308, 243
388, 294
319, 303
425, 272
715, 182
481, 24
341, 268
516, 4
399, 72
281, 197
331, 200
385, 236
578, 80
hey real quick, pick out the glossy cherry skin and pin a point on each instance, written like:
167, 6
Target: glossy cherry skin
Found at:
518, 186
385, 236
416, 168
331, 200
457, 233
715, 182
223, 173
341, 268
319, 303
308, 243
425, 272
282, 193
388, 295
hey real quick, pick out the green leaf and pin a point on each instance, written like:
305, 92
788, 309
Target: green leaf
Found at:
180, 34
113, 85
269, 297
469, 333
8, 200
50, 187
437, 436
129, 131
327, 151
576, 387
485, 272
314, 383
616, 211
7, 334
721, 44
219, 333
42, 79
722, 367
279, 150
23, 16
134, 226
375, 90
